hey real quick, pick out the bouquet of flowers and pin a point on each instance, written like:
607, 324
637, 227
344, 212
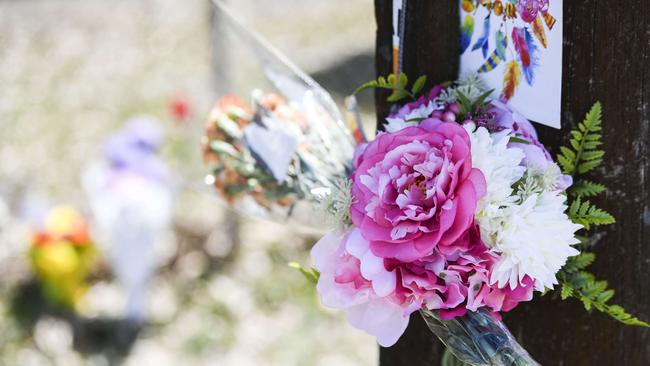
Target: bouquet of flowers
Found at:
459, 212
279, 149
456, 210
62, 255
272, 150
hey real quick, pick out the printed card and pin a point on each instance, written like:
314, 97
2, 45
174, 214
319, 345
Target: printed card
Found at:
516, 46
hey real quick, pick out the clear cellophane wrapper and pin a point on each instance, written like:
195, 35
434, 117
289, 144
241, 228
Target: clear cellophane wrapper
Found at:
478, 339
277, 143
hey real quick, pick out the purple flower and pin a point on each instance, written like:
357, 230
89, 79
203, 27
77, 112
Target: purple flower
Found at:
535, 154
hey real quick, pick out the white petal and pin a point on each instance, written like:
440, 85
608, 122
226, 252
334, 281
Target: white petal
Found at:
356, 244
324, 249
384, 283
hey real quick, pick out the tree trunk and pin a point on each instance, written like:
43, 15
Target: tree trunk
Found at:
606, 58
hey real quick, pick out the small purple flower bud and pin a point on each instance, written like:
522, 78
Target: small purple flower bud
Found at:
449, 116
454, 107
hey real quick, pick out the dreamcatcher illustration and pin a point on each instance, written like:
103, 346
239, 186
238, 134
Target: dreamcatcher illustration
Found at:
517, 43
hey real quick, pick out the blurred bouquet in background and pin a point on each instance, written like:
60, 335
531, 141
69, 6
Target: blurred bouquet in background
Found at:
282, 148
270, 151
131, 197
61, 256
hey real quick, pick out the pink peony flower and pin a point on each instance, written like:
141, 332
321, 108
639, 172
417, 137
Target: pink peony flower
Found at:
352, 278
415, 189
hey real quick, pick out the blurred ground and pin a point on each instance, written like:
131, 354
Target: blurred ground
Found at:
71, 72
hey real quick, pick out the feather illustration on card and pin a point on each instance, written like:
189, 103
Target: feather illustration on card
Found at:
527, 52
466, 32
497, 56
482, 42
517, 52
511, 80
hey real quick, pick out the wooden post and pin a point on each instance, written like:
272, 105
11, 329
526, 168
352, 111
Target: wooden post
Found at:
606, 58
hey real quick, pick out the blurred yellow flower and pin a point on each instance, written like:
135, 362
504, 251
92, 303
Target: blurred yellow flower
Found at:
62, 255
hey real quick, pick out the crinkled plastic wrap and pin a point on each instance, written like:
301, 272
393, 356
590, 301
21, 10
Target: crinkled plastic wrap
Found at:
275, 151
478, 339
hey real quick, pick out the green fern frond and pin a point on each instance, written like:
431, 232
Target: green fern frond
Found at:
579, 262
594, 294
566, 291
399, 85
618, 313
582, 155
586, 188
586, 214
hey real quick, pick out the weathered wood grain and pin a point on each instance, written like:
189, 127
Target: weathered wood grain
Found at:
606, 58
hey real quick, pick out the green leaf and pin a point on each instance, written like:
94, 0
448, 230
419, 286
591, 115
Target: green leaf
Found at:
312, 275
481, 99
576, 144
392, 80
576, 134
464, 103
415, 120
585, 188
588, 166
585, 214
397, 84
397, 95
568, 153
419, 84
514, 139
579, 262
583, 239
566, 292
368, 85
566, 163
618, 313
403, 80
591, 155
605, 296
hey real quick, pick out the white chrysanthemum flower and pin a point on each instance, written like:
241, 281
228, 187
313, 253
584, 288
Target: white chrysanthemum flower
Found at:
547, 178
527, 228
534, 238
412, 118
499, 164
